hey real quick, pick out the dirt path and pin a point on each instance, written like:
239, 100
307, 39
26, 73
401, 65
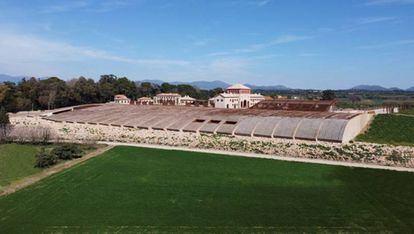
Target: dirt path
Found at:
17, 185
267, 156
407, 115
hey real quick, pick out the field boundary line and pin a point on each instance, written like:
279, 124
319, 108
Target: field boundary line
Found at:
29, 180
264, 156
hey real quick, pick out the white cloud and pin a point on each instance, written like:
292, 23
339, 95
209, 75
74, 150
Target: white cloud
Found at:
262, 3
388, 2
362, 23
308, 55
202, 42
32, 54
87, 5
260, 46
65, 6
372, 20
388, 44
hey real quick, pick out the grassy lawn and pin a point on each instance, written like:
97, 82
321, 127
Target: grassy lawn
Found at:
408, 112
390, 129
148, 190
16, 162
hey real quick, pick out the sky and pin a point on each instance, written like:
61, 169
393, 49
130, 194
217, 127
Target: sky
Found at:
298, 43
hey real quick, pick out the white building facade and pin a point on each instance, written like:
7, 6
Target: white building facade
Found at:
122, 99
167, 99
173, 99
237, 96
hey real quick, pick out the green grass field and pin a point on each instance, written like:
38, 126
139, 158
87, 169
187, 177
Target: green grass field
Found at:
16, 162
408, 112
390, 129
147, 190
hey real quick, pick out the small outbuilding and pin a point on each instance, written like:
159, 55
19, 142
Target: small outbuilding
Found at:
122, 99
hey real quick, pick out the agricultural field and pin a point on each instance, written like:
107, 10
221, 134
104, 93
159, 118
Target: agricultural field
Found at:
390, 129
131, 189
16, 162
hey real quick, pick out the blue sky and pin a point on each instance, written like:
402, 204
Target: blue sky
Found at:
297, 43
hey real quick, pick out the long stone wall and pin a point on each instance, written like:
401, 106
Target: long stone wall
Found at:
351, 152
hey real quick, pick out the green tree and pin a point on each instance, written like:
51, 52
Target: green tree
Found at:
127, 87
168, 88
28, 94
45, 159
328, 95
107, 87
85, 91
8, 95
67, 151
53, 93
185, 89
5, 126
147, 89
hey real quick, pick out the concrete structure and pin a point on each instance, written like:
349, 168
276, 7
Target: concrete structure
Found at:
297, 105
144, 101
237, 96
121, 99
304, 125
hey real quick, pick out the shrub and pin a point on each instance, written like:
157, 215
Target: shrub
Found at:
397, 157
45, 159
34, 135
67, 151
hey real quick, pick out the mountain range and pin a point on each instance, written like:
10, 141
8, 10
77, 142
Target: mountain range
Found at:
4, 77
378, 88
200, 84
220, 84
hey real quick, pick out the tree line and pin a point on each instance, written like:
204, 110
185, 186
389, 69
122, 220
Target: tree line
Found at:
50, 93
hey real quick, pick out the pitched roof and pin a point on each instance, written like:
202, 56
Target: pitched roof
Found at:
228, 95
188, 98
120, 96
168, 94
238, 86
144, 98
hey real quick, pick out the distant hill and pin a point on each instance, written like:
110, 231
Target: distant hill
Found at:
271, 87
395, 89
209, 84
218, 84
369, 88
200, 84
15, 79
379, 88
158, 82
